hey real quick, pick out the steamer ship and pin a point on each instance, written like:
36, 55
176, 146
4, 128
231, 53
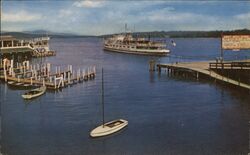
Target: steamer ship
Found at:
126, 43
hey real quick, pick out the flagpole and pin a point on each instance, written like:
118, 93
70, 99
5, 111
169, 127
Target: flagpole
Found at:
221, 48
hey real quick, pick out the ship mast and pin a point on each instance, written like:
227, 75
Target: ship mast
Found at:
125, 28
102, 100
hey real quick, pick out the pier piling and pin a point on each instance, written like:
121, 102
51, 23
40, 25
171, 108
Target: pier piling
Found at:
42, 74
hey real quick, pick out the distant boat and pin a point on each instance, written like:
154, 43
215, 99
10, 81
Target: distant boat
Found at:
173, 43
34, 93
126, 43
109, 127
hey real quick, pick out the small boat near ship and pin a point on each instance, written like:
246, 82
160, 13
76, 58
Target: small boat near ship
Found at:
126, 43
34, 93
109, 127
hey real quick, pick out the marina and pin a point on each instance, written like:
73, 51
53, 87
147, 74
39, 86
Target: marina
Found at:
41, 74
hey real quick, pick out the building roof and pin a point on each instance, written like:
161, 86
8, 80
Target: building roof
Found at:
7, 38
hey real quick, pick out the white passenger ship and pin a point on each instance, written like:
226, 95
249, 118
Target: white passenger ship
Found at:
126, 43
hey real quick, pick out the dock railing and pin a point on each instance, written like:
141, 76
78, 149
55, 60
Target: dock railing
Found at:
229, 65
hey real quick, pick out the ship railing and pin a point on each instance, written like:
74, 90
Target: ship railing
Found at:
152, 45
40, 39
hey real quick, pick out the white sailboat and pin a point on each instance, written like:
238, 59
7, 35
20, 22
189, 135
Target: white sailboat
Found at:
109, 127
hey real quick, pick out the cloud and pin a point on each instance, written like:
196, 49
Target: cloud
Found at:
110, 16
245, 16
21, 16
65, 13
242, 20
170, 19
180, 17
89, 4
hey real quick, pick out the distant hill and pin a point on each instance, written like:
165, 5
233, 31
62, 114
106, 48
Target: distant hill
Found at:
41, 33
153, 34
186, 34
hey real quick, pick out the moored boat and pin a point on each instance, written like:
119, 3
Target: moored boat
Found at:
109, 127
19, 85
34, 93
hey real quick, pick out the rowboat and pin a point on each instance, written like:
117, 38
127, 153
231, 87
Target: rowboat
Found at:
109, 127
34, 93
19, 85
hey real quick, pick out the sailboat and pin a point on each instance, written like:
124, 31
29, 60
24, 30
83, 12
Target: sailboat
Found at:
109, 127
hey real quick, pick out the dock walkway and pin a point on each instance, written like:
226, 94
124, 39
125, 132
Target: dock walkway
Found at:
201, 68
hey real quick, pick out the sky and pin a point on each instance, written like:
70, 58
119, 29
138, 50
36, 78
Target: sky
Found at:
98, 17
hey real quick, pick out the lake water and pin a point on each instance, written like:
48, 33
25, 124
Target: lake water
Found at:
167, 115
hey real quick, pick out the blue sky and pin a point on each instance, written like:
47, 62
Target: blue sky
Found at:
88, 17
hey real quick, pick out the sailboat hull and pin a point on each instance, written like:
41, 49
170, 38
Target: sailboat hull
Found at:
109, 128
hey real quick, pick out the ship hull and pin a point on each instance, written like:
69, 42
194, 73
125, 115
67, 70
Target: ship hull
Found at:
138, 52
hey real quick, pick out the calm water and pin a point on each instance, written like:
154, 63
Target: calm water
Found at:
166, 115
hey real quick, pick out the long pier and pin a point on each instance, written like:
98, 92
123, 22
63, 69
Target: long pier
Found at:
206, 68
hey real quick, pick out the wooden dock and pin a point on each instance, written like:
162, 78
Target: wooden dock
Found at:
204, 68
42, 74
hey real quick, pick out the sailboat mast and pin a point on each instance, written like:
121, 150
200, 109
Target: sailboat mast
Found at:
102, 100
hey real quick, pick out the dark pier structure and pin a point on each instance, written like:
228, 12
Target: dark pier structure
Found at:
233, 73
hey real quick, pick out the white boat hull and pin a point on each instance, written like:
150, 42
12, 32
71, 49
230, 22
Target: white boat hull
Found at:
107, 129
163, 52
30, 96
